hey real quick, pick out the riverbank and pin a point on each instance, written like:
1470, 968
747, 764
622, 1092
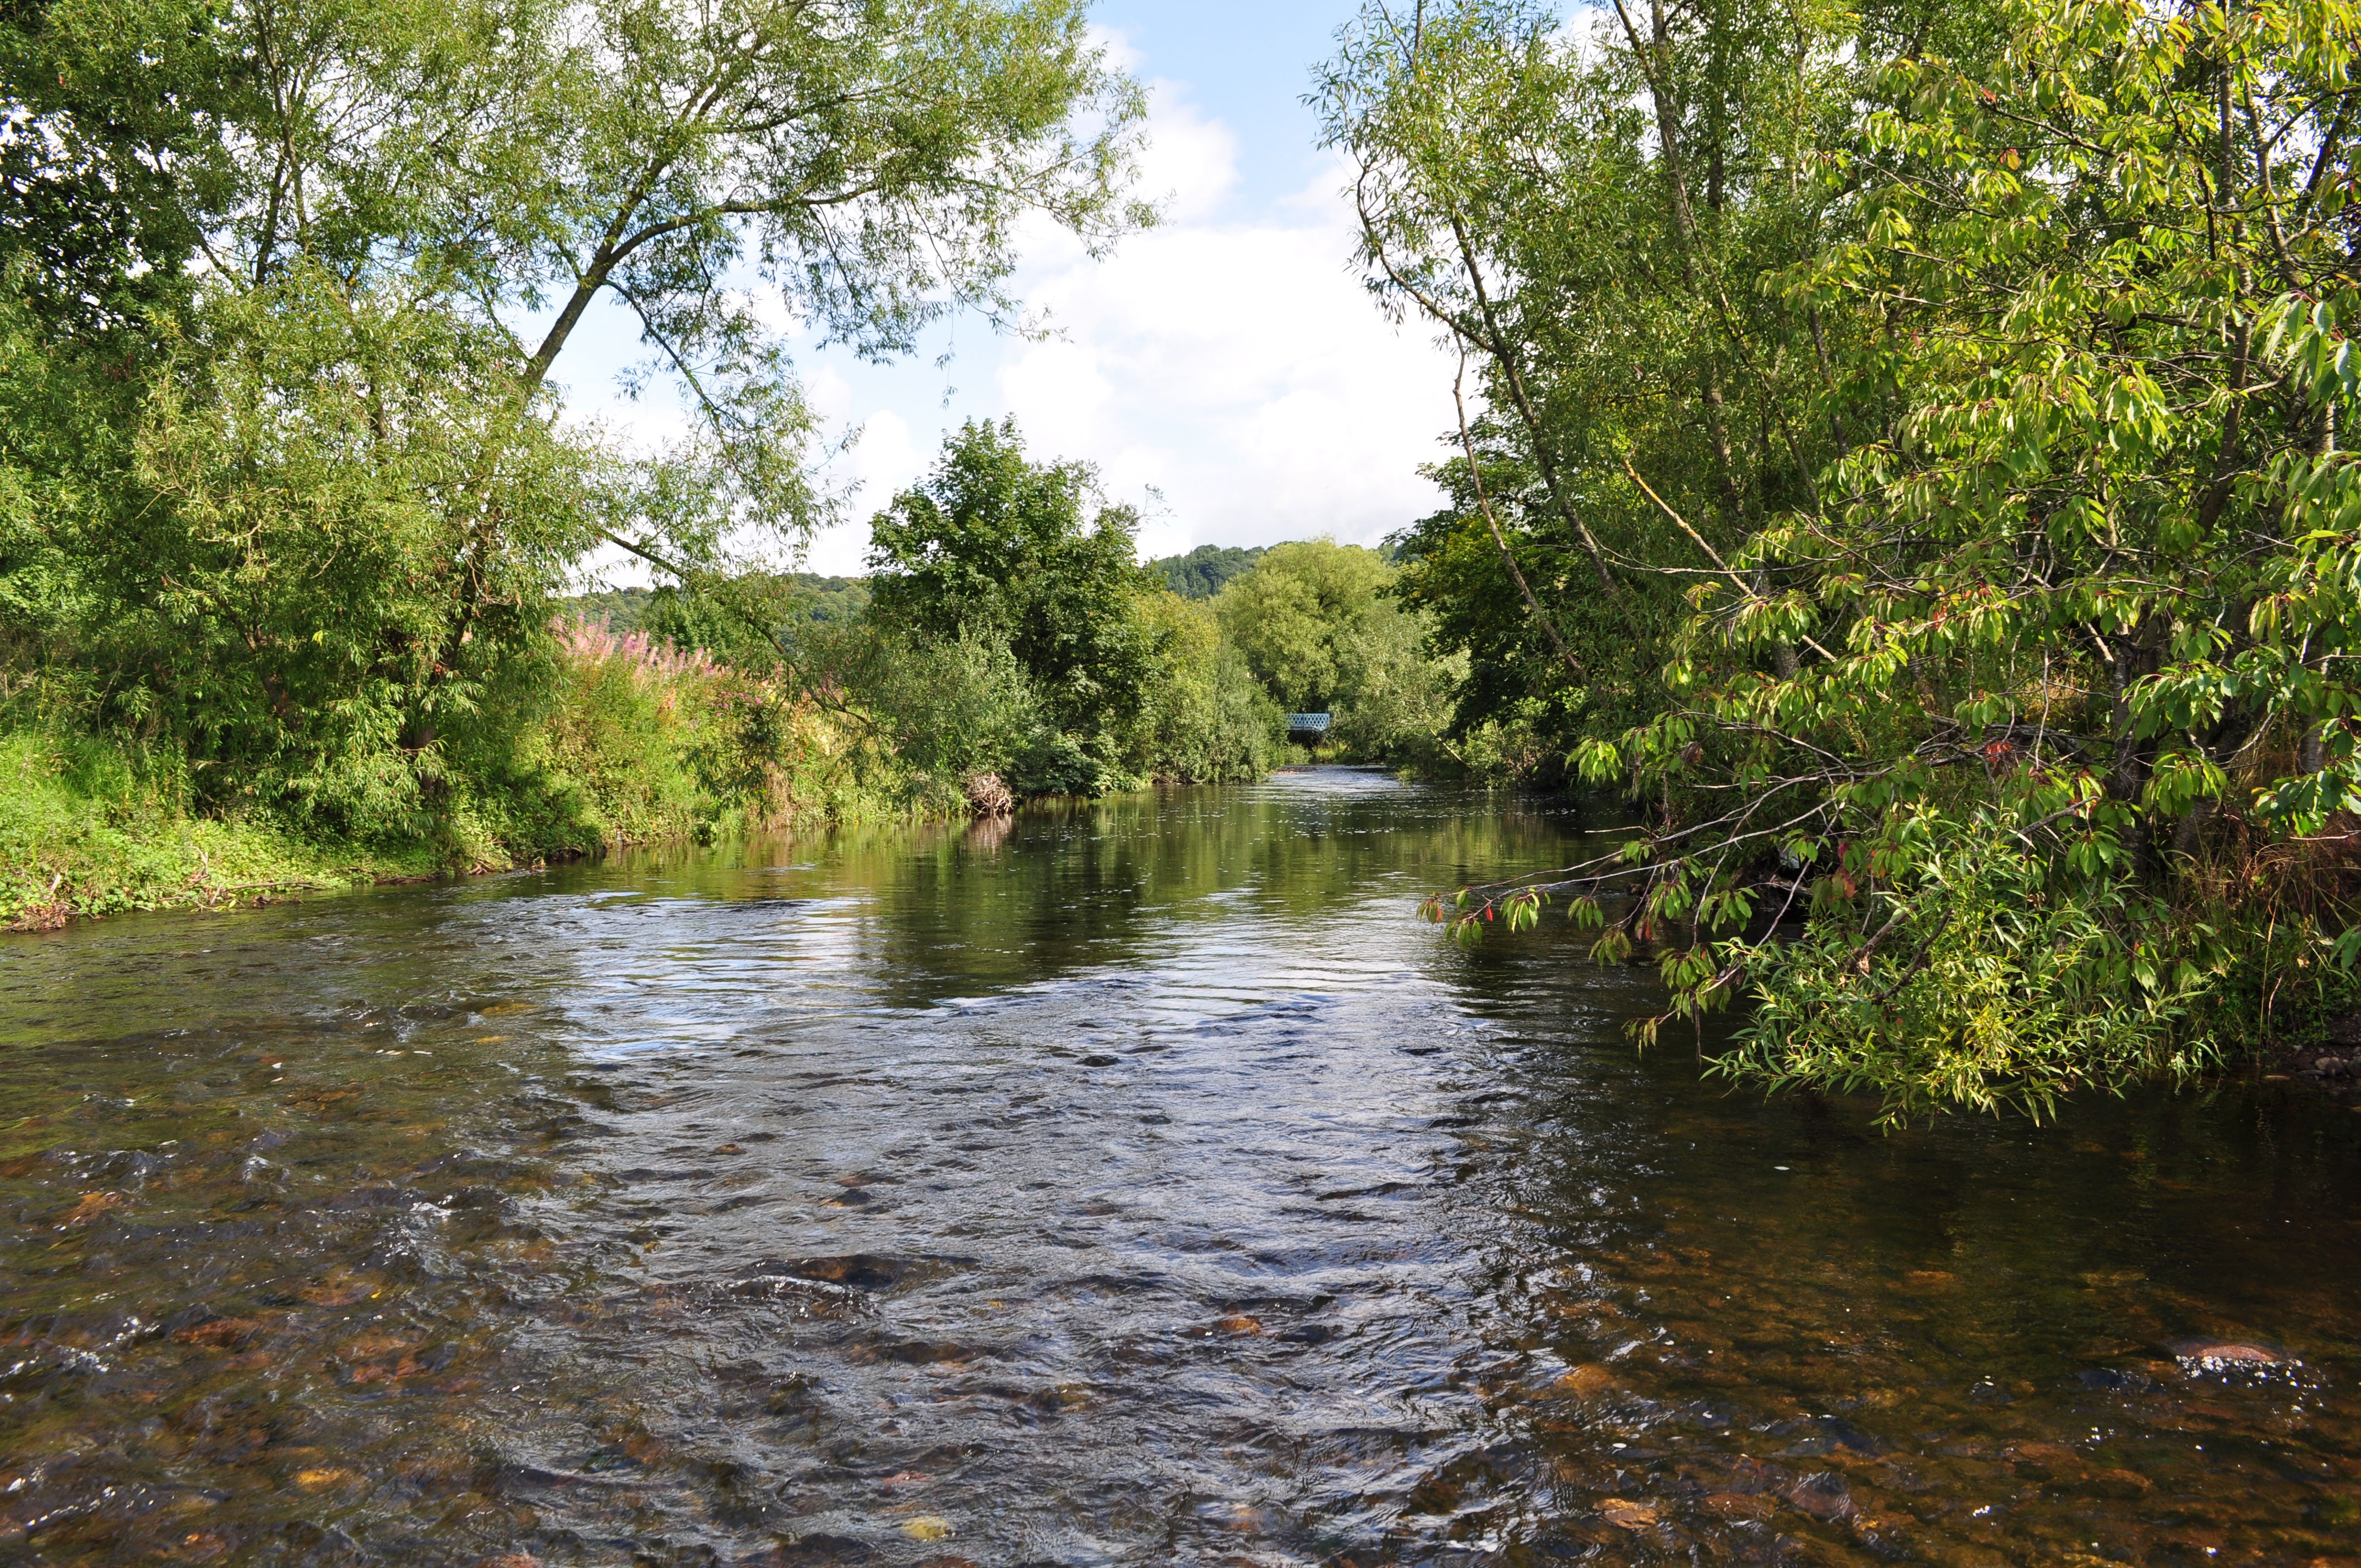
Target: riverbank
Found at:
66, 855
632, 742
70, 851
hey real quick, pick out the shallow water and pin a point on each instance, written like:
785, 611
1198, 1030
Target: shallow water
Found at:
1141, 1184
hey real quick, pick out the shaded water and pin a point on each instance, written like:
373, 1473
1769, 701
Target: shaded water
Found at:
1139, 1184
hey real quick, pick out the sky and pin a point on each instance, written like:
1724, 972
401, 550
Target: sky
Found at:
1224, 370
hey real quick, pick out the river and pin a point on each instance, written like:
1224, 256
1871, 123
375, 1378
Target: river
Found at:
1137, 1183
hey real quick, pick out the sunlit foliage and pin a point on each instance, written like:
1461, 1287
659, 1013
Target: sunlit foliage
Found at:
1946, 400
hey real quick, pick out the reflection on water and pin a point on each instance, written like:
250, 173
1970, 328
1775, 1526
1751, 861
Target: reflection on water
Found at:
1138, 1184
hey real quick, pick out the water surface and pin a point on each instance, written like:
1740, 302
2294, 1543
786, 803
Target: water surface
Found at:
1135, 1184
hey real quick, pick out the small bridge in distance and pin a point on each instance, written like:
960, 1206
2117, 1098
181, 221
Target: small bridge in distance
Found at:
1307, 729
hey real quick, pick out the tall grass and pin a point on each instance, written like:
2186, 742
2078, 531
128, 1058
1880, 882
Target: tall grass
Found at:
633, 741
87, 828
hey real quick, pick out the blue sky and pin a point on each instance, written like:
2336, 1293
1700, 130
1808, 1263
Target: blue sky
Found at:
1228, 358
1246, 65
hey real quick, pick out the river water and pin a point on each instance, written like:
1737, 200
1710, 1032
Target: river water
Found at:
1135, 1184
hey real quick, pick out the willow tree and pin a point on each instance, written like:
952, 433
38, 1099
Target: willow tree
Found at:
354, 488
1587, 214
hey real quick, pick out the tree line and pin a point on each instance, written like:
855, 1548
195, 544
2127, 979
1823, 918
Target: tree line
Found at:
1009, 637
290, 501
287, 487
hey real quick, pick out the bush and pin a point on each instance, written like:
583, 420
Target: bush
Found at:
91, 827
1211, 721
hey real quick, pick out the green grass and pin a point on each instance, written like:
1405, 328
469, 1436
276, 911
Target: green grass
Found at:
83, 834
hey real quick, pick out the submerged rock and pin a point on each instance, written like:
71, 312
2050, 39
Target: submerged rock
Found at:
220, 1333
862, 1270
1584, 1382
1739, 1506
814, 1550
1819, 1435
2223, 1355
1625, 1514
1824, 1495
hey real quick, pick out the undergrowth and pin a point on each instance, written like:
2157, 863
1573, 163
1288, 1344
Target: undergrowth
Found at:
636, 742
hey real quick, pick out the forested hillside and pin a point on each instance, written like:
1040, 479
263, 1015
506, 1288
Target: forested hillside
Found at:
1900, 452
1202, 572
626, 609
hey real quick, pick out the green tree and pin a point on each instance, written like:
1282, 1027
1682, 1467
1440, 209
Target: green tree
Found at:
1210, 720
112, 164
1315, 622
1974, 376
992, 546
308, 535
1201, 574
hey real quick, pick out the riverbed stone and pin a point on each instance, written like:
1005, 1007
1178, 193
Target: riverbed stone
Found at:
1824, 1495
1739, 1506
1623, 1513
2116, 1485
1584, 1382
2223, 1355
220, 1333
861, 1270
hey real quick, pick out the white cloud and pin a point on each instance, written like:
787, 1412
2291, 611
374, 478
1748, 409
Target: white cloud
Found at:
1240, 368
884, 458
1190, 163
1230, 360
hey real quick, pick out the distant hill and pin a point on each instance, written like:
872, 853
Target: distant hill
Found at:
819, 598
1200, 574
620, 608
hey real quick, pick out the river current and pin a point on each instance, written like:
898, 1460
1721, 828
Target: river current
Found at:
1131, 1184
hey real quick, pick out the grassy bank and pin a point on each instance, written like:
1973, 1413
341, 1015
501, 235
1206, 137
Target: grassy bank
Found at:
82, 832
633, 741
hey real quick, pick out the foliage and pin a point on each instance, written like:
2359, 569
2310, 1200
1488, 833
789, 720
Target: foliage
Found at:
89, 827
749, 619
1316, 624
1201, 574
992, 548
946, 708
112, 158
285, 499
332, 601
1979, 387
658, 741
809, 595
1210, 720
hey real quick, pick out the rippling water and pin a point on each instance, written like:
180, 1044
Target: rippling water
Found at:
1139, 1184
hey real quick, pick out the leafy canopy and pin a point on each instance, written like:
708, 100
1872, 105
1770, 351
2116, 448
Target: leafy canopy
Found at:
1946, 402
